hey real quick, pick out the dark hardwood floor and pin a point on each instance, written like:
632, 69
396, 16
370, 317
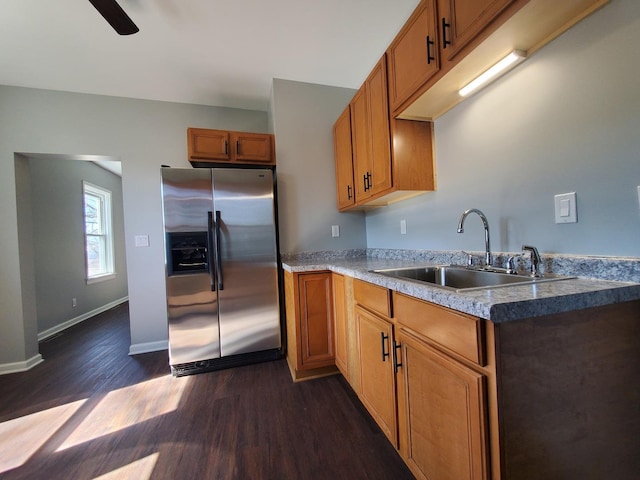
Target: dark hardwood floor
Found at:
92, 411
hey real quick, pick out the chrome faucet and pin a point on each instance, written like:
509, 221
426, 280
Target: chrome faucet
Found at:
535, 259
488, 257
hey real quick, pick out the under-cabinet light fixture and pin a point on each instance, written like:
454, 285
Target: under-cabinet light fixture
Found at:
503, 66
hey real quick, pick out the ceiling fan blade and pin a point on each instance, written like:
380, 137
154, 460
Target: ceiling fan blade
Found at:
116, 16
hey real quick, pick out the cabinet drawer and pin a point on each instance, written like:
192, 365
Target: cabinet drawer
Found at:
454, 331
373, 297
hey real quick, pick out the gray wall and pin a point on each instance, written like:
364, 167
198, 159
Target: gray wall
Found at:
18, 315
58, 239
302, 117
568, 119
141, 134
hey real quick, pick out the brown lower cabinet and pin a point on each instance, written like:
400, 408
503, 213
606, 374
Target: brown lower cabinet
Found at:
446, 425
310, 324
377, 377
553, 397
445, 396
341, 327
377, 356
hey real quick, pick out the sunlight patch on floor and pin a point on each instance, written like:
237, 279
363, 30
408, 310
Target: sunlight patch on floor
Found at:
127, 407
22, 437
140, 470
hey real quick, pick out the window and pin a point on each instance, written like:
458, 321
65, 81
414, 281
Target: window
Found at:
98, 235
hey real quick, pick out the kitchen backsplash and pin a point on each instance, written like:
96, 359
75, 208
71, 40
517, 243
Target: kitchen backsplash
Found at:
622, 269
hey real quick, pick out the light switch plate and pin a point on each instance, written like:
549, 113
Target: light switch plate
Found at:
142, 240
566, 208
403, 227
638, 195
335, 230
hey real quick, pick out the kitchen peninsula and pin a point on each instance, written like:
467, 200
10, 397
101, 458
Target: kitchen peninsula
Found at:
529, 381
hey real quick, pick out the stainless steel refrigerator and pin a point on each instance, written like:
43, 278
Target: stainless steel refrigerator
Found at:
223, 298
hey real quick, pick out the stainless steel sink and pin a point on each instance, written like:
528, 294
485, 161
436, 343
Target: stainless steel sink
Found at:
461, 278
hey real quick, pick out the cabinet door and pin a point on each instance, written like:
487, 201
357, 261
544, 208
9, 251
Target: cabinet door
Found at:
445, 414
377, 379
344, 160
252, 147
205, 144
380, 164
371, 136
413, 55
316, 320
341, 327
461, 21
360, 142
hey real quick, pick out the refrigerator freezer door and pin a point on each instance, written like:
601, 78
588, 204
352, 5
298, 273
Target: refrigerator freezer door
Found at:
192, 305
193, 325
249, 310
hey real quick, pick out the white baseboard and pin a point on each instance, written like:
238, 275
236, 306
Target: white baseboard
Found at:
148, 347
15, 367
80, 318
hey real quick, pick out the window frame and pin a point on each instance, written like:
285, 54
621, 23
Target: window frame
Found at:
106, 226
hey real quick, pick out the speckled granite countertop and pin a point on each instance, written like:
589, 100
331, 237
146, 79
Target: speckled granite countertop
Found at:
500, 304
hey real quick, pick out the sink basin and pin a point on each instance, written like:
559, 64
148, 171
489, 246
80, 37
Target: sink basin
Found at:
461, 278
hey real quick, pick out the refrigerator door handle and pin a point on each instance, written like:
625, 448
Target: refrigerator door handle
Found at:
218, 250
210, 255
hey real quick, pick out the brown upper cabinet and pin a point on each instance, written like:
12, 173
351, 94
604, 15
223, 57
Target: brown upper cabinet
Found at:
414, 54
447, 43
433, 39
379, 159
384, 140
371, 136
461, 21
222, 146
344, 160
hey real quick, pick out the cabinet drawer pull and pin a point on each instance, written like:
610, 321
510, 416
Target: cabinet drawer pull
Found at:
364, 180
349, 192
445, 26
396, 363
430, 57
384, 337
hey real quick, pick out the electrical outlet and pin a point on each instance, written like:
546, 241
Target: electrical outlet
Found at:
638, 195
335, 230
74, 302
403, 227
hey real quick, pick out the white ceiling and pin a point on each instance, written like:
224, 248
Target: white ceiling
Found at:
208, 52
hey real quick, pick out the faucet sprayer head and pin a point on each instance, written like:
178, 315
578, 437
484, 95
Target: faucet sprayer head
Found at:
462, 218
